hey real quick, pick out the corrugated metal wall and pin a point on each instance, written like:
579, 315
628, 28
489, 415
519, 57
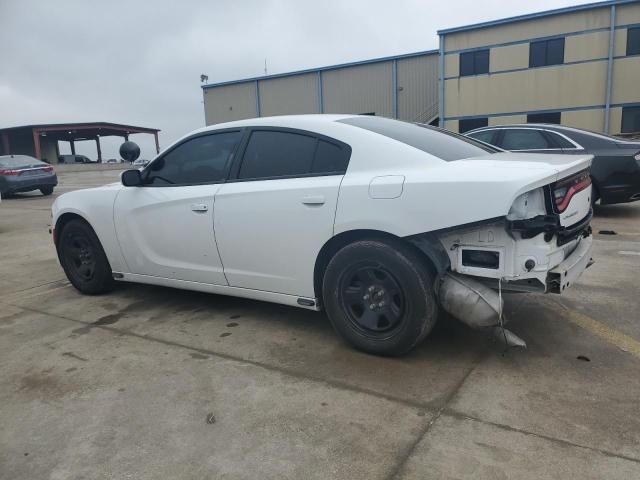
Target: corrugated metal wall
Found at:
230, 102
362, 88
359, 89
289, 95
418, 88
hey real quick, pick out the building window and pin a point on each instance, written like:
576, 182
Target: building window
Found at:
546, 52
474, 63
468, 124
553, 117
633, 41
630, 119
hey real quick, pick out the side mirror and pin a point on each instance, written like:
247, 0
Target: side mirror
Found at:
131, 178
129, 151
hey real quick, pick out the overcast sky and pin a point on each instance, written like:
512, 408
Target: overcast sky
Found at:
139, 62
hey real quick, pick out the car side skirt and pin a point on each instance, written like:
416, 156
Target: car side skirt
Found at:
291, 300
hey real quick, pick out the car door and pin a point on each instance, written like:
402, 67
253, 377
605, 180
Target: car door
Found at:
278, 208
165, 226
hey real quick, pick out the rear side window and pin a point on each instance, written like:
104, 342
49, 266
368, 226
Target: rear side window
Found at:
199, 160
329, 158
560, 141
521, 139
440, 143
277, 154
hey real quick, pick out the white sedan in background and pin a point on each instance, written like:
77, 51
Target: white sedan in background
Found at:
374, 220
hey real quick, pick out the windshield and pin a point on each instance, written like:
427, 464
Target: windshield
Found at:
19, 161
438, 142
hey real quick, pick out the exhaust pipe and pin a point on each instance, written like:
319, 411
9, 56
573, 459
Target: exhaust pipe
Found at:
476, 305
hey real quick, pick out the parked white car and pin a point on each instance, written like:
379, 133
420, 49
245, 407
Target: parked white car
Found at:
374, 220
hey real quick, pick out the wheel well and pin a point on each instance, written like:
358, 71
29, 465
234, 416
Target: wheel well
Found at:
62, 221
343, 239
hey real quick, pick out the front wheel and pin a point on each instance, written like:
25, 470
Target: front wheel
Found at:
83, 259
380, 296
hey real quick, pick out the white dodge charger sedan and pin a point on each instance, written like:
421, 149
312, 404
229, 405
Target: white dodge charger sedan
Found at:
374, 220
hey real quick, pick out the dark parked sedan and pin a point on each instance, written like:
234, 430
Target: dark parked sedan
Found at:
616, 163
21, 173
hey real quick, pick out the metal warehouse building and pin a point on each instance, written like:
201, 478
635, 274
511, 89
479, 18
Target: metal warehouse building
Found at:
579, 66
404, 87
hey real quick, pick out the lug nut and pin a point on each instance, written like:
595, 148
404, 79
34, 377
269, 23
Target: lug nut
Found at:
381, 304
366, 297
372, 306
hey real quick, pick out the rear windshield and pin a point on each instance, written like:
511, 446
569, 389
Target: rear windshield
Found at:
19, 161
438, 142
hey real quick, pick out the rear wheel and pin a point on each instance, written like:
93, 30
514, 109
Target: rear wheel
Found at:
379, 296
83, 258
46, 190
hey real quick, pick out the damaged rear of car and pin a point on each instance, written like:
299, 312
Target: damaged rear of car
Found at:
490, 223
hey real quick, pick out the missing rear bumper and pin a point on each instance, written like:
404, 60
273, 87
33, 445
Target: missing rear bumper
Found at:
567, 272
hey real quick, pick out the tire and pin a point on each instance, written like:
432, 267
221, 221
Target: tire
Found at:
46, 190
595, 194
405, 308
83, 259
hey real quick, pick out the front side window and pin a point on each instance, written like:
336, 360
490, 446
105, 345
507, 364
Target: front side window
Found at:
522, 139
468, 124
546, 52
474, 63
633, 41
440, 143
202, 159
553, 117
630, 119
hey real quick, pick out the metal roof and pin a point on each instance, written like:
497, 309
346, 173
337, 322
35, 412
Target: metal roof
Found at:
531, 16
322, 69
106, 127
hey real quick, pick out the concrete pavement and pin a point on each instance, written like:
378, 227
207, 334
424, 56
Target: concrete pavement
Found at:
149, 382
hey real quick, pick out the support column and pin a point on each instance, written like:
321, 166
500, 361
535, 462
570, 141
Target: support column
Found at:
36, 142
73, 146
157, 143
5, 143
98, 149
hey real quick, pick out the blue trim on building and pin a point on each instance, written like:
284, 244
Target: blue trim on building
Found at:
532, 16
258, 109
612, 36
441, 83
320, 93
323, 69
552, 110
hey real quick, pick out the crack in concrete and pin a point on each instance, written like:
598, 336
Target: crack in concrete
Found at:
459, 415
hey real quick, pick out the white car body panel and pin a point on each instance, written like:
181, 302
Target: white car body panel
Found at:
268, 231
168, 232
260, 239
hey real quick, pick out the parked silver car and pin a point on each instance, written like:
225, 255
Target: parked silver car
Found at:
21, 173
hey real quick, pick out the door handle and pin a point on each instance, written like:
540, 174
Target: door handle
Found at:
199, 207
313, 200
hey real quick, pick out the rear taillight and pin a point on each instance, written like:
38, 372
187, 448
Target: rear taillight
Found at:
565, 189
47, 169
9, 172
